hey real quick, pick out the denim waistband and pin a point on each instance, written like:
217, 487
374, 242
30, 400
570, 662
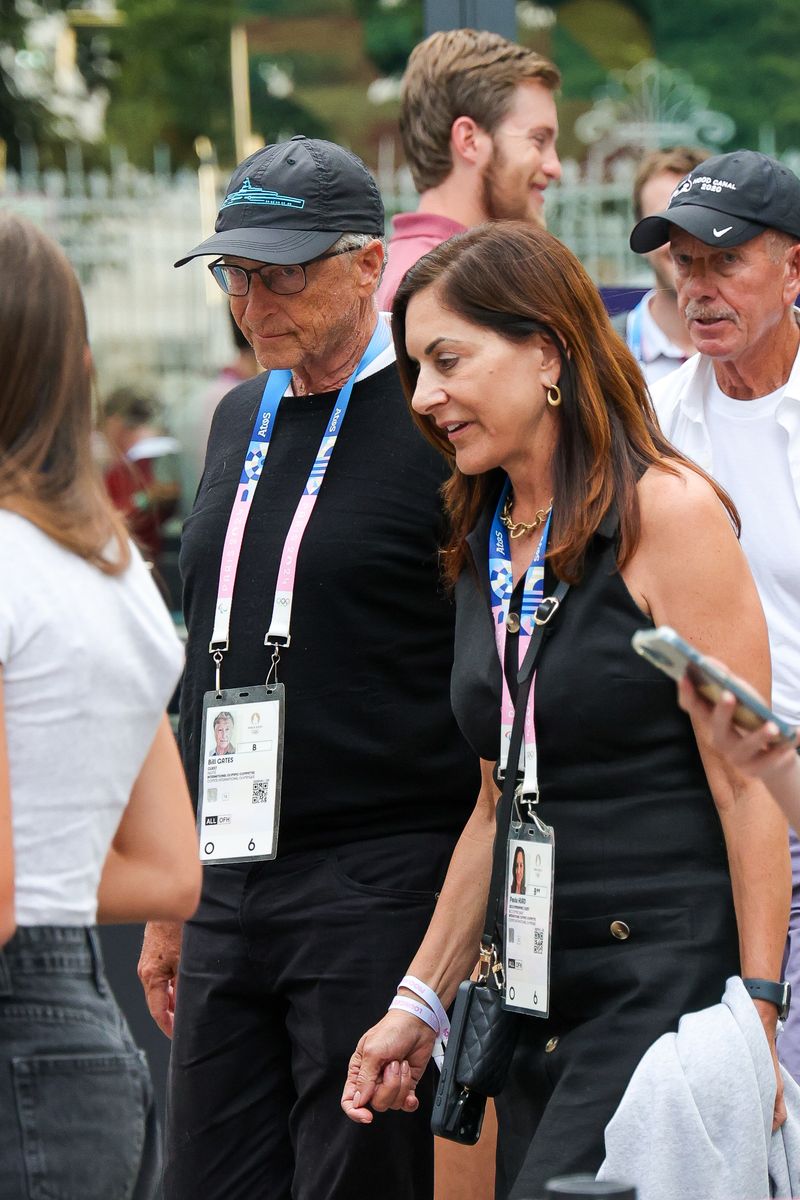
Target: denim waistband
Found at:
52, 950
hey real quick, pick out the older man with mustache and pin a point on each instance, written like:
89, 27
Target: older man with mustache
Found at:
733, 226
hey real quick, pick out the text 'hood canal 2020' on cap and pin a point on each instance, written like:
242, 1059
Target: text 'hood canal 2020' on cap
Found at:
726, 201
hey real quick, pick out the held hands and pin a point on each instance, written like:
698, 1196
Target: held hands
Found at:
755, 754
388, 1062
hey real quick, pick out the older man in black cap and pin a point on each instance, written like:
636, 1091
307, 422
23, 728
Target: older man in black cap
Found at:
315, 616
733, 226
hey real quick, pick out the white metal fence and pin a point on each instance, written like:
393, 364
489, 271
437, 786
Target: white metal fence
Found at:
123, 229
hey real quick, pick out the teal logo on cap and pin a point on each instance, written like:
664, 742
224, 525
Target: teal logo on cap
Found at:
247, 194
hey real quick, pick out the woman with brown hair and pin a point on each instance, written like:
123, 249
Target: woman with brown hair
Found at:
671, 872
92, 794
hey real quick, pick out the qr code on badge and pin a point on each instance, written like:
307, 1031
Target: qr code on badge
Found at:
260, 791
538, 941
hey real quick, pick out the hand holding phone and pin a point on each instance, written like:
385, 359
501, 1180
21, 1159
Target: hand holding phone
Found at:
665, 649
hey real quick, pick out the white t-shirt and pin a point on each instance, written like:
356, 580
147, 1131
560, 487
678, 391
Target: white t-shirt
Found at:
751, 461
89, 662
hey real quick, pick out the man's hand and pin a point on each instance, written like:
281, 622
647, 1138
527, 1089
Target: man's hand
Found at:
158, 970
387, 1065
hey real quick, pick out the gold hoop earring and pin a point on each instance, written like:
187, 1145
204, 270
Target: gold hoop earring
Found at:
553, 393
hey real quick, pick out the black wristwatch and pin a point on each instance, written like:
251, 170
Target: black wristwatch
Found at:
779, 994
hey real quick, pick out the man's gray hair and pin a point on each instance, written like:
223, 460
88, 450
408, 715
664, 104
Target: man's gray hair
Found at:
356, 241
778, 243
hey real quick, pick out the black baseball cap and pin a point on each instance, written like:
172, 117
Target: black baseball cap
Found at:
725, 201
291, 201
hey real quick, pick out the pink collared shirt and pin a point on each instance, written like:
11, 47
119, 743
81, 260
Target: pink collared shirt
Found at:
413, 234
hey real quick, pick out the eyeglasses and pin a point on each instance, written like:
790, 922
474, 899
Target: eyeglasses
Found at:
283, 280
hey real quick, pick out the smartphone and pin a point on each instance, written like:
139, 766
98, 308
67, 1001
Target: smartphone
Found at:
665, 649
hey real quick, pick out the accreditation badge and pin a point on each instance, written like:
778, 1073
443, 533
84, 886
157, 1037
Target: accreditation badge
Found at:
529, 917
241, 758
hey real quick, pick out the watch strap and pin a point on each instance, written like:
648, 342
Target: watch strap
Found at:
779, 994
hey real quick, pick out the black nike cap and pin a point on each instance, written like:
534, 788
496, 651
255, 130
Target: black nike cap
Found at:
291, 201
725, 201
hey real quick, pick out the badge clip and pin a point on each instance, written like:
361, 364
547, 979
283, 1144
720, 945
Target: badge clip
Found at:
272, 674
217, 657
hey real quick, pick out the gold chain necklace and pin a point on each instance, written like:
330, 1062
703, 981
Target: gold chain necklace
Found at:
517, 529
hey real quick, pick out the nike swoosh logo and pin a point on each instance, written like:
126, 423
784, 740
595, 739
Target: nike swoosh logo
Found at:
719, 232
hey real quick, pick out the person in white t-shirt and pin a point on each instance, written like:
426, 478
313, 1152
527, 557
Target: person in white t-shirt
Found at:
733, 227
104, 834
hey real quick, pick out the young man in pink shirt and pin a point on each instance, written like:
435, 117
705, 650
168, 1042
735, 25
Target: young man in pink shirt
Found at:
479, 128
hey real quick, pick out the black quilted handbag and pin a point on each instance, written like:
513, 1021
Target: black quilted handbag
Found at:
483, 1035
479, 1052
488, 1042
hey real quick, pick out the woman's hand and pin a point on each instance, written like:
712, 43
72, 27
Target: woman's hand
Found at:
387, 1065
758, 754
779, 1108
768, 1015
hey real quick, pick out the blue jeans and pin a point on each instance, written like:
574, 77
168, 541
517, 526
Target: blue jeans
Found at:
77, 1120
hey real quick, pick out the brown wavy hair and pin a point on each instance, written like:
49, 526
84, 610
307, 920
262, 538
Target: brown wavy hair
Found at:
46, 470
516, 279
460, 73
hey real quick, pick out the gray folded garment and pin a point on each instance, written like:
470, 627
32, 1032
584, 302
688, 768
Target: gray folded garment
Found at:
695, 1122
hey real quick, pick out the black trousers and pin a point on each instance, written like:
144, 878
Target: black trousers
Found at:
284, 967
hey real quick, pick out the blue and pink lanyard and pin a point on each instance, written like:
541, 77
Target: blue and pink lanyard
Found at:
274, 390
501, 582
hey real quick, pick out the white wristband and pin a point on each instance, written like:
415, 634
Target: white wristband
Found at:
432, 1000
417, 1010
424, 1013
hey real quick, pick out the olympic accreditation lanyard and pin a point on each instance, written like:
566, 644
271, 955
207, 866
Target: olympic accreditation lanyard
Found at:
242, 735
501, 580
530, 843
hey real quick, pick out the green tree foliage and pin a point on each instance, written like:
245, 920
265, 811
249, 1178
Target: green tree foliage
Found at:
293, 8
20, 119
390, 32
174, 70
28, 85
174, 80
277, 117
743, 53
